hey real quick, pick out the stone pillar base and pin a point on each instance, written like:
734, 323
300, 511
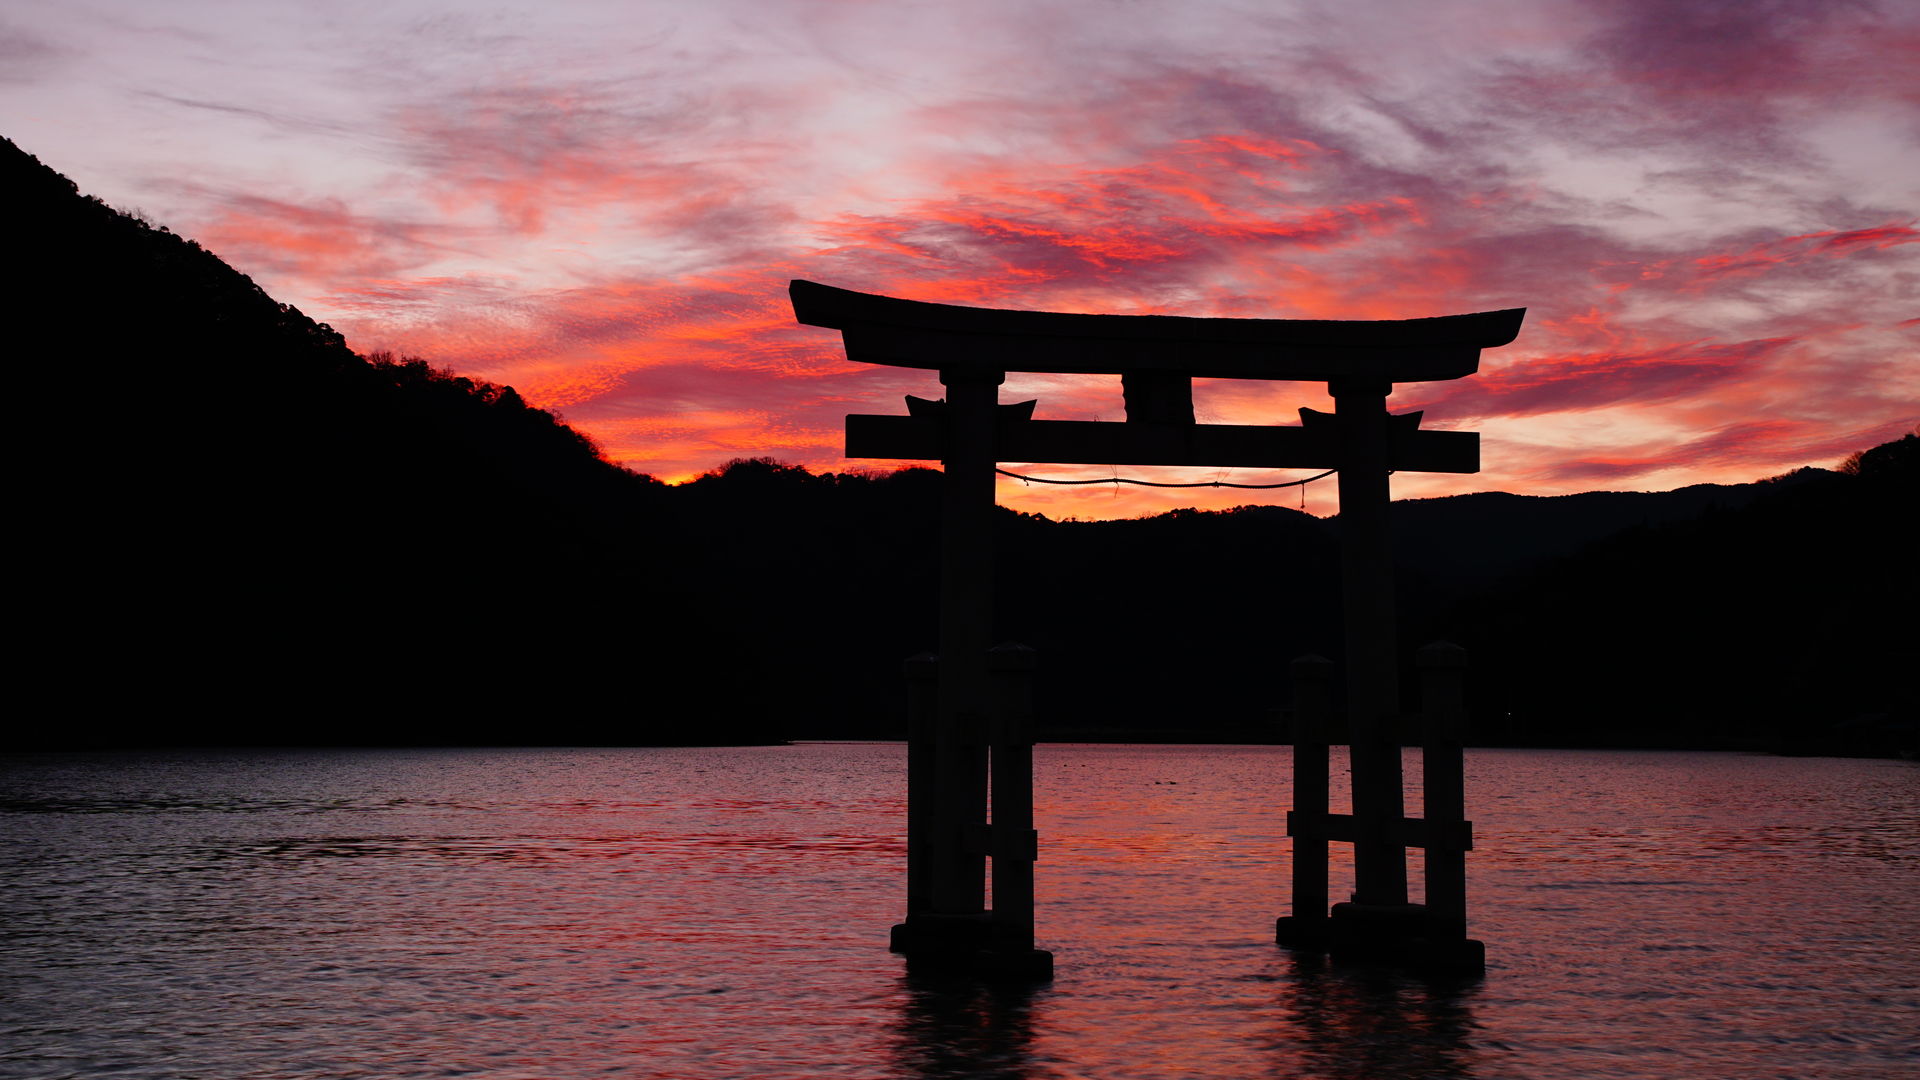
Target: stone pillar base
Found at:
1389, 935
1301, 932
964, 944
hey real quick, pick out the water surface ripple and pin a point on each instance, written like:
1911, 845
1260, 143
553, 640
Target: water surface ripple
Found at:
694, 913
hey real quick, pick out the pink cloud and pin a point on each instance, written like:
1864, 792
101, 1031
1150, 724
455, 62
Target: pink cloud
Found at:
534, 152
1327, 180
318, 241
1748, 449
1833, 244
1043, 231
1590, 381
1728, 84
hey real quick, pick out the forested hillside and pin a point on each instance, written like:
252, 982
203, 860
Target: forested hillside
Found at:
237, 530
1786, 622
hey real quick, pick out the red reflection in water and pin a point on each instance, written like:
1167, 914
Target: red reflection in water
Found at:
723, 913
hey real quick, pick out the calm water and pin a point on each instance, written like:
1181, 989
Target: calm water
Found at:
723, 913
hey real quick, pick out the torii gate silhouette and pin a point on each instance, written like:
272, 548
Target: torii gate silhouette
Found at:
977, 718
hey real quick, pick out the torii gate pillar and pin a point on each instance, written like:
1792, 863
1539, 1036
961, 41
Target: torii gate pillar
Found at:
1373, 682
970, 729
966, 632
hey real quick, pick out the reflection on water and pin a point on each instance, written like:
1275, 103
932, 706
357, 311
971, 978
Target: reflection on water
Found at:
950, 1027
1346, 1024
695, 913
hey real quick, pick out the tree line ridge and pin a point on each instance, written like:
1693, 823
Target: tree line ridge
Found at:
238, 530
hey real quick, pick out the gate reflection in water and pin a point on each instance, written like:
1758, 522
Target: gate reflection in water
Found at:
699, 913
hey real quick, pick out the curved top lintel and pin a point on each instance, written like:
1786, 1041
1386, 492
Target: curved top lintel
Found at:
915, 333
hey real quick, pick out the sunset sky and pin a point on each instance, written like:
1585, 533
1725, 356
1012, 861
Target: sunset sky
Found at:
1711, 210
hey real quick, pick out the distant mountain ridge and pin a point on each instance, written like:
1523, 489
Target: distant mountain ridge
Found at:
1483, 537
1786, 623
239, 531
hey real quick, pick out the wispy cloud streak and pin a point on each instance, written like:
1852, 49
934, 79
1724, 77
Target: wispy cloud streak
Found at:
1708, 209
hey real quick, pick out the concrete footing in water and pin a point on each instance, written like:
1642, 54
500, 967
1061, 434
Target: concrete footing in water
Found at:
968, 944
1407, 936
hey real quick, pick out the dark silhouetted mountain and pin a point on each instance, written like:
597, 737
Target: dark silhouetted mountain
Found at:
238, 530
1771, 615
1782, 621
1141, 625
1180, 625
1474, 541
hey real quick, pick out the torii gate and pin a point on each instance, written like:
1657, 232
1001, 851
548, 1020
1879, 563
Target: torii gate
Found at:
977, 718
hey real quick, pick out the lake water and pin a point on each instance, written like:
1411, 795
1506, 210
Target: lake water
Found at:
693, 913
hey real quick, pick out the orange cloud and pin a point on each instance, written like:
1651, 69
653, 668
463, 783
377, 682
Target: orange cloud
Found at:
1589, 381
1772, 254
317, 242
